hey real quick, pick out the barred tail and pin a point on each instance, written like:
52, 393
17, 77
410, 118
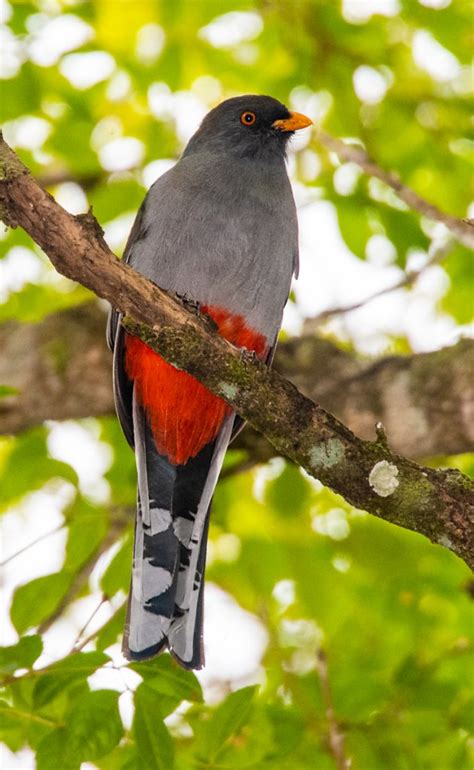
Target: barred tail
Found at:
165, 606
156, 550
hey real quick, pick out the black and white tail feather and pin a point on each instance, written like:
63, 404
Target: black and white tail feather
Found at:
165, 607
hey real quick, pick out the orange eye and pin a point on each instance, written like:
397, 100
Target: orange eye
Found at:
248, 118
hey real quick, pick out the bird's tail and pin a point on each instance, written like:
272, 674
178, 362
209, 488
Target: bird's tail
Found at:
165, 606
156, 552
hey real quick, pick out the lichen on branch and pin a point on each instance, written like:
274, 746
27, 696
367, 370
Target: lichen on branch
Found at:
436, 503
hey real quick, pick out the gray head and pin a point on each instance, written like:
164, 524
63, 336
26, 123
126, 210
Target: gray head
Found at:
247, 127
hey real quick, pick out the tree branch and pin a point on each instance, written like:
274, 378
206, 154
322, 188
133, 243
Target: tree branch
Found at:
437, 503
61, 369
462, 229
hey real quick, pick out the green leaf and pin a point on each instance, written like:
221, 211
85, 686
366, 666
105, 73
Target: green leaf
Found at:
34, 301
30, 453
403, 229
288, 728
122, 473
19, 726
55, 751
354, 224
74, 131
152, 737
13, 238
112, 200
93, 725
86, 531
37, 600
173, 683
166, 677
228, 720
117, 575
8, 390
64, 673
21, 655
459, 299
251, 745
123, 757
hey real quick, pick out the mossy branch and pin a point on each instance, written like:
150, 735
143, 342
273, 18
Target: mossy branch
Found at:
436, 503
60, 369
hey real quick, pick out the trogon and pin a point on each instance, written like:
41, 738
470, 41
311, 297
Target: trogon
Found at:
219, 229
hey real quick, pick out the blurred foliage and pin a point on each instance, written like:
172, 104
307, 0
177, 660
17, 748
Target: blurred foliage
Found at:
392, 612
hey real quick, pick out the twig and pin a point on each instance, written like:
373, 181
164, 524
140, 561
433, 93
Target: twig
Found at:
312, 323
30, 545
381, 434
32, 673
462, 229
87, 181
241, 467
29, 716
89, 620
335, 734
91, 637
436, 254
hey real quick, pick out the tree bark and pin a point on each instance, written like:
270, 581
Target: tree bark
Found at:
436, 503
61, 369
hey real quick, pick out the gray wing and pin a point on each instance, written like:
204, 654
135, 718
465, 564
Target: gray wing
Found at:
137, 232
123, 387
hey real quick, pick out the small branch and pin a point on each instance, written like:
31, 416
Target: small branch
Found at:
241, 467
29, 716
436, 503
78, 647
437, 253
33, 673
315, 322
380, 433
30, 545
89, 620
335, 734
87, 181
462, 229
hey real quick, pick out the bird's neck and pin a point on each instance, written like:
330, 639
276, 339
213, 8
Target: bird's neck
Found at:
238, 179
259, 151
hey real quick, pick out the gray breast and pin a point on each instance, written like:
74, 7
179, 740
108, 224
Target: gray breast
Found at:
223, 233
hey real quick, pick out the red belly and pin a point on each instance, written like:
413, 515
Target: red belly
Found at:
184, 416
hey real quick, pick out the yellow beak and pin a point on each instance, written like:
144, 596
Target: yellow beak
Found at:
293, 123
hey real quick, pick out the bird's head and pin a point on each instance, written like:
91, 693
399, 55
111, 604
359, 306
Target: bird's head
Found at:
247, 126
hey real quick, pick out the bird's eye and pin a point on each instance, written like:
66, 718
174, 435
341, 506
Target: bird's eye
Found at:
248, 118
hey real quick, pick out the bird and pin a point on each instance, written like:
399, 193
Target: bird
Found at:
220, 230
